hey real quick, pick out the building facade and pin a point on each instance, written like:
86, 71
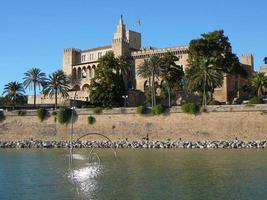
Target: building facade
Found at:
80, 65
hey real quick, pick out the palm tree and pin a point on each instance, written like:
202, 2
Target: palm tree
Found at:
13, 90
171, 73
34, 78
57, 84
123, 64
259, 82
151, 69
204, 77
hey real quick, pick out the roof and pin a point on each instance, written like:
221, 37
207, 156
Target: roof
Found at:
98, 48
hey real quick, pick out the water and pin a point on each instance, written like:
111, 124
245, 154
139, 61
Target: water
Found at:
134, 174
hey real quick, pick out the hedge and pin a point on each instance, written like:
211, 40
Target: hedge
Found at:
190, 108
64, 115
141, 110
158, 109
42, 113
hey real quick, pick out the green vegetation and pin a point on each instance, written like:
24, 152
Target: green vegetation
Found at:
64, 115
209, 57
97, 110
171, 74
150, 69
6, 101
141, 110
54, 113
258, 83
21, 112
2, 116
90, 119
158, 109
13, 91
34, 78
57, 84
107, 87
42, 113
255, 100
164, 67
190, 108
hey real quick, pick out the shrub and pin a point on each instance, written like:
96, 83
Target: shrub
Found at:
2, 116
255, 100
97, 110
54, 113
64, 115
141, 110
158, 109
190, 108
90, 119
214, 102
21, 112
42, 113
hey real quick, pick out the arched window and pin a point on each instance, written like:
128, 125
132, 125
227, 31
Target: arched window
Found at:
89, 71
74, 74
93, 70
145, 85
84, 73
85, 87
79, 73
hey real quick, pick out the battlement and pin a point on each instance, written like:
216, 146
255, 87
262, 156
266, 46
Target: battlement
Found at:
71, 50
247, 59
152, 50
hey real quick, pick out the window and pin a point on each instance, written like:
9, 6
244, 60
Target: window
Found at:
91, 56
99, 54
83, 57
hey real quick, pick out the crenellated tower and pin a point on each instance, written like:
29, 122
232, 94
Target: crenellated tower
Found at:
120, 43
248, 62
71, 57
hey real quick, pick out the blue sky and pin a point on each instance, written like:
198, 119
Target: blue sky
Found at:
33, 33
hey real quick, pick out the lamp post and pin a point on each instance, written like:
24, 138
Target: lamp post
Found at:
125, 97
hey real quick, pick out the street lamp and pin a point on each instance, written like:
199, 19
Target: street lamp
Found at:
125, 97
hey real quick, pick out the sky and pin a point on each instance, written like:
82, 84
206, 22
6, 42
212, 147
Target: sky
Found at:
33, 33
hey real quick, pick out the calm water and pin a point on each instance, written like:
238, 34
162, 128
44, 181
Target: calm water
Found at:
134, 174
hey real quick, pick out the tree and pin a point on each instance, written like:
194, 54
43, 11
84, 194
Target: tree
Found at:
209, 57
215, 45
124, 67
57, 84
151, 69
259, 83
13, 91
34, 78
171, 73
107, 87
204, 77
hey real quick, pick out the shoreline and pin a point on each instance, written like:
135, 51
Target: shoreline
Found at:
142, 144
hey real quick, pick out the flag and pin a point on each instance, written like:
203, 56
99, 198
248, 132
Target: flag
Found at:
139, 22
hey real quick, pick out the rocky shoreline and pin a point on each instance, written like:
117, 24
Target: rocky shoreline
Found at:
231, 144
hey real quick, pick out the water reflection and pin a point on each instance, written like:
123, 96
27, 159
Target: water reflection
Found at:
77, 156
83, 178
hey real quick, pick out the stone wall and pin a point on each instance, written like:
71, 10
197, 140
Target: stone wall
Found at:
220, 123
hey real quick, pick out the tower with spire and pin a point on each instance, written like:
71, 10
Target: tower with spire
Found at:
124, 41
120, 44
